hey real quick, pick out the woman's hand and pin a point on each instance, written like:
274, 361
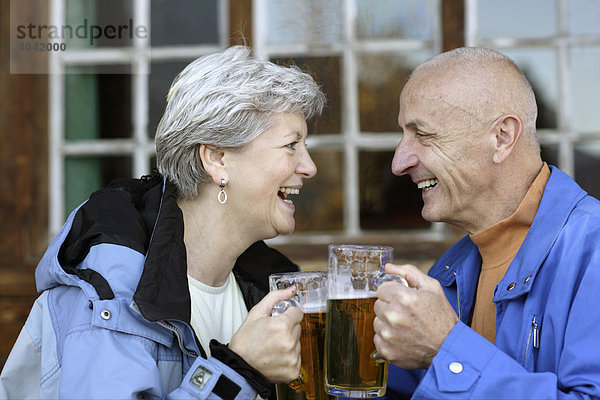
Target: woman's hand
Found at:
271, 345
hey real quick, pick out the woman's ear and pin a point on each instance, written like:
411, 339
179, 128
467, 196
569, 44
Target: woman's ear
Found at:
508, 130
212, 160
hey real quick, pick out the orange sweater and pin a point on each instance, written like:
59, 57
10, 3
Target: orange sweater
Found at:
498, 245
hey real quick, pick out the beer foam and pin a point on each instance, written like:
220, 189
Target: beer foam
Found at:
314, 308
344, 286
352, 295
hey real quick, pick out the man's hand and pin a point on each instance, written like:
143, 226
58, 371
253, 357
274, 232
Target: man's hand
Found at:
271, 345
412, 322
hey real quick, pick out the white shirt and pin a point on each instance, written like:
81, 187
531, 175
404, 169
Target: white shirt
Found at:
217, 312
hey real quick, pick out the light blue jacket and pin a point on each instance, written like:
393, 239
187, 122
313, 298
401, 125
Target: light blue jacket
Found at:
112, 319
548, 312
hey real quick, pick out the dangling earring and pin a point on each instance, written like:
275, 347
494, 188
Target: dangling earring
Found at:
222, 196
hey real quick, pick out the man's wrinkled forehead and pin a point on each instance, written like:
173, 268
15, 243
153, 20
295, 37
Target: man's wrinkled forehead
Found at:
443, 95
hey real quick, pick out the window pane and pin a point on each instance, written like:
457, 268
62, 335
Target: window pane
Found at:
396, 19
380, 80
100, 23
517, 18
97, 105
587, 165
177, 22
319, 207
160, 79
540, 67
84, 175
308, 21
584, 16
387, 201
326, 72
585, 84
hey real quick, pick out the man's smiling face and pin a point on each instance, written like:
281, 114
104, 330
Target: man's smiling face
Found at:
445, 155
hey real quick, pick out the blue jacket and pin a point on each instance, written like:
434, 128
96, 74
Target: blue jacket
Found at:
548, 323
113, 318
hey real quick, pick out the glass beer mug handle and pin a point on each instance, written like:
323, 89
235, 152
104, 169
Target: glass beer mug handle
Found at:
383, 277
283, 305
278, 309
379, 280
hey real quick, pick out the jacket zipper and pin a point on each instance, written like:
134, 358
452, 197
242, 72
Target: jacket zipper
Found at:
179, 336
533, 334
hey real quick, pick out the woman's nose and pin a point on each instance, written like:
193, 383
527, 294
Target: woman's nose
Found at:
306, 166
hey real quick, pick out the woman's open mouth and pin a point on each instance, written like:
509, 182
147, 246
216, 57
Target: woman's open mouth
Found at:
285, 191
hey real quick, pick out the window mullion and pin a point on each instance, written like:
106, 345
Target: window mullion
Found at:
471, 23
140, 98
56, 127
350, 123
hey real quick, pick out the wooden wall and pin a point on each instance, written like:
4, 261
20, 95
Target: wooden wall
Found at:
23, 186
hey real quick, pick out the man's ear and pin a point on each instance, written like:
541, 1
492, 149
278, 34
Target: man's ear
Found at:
212, 160
507, 130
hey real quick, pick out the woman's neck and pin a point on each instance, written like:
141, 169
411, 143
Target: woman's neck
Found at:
213, 242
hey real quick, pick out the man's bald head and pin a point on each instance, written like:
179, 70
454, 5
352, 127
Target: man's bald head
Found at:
468, 118
483, 83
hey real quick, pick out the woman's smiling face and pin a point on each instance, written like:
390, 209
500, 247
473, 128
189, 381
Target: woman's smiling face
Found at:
265, 175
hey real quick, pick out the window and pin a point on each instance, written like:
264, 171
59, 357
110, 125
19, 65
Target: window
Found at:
107, 92
107, 96
361, 52
557, 45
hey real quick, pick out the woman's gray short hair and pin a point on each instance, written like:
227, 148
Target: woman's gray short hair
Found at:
225, 100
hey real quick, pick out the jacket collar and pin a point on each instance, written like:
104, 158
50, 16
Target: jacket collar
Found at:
162, 289
162, 292
561, 195
462, 260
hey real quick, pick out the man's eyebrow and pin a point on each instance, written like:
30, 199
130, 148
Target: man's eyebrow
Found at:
419, 123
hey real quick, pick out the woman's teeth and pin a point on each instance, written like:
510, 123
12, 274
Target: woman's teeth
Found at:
284, 191
427, 184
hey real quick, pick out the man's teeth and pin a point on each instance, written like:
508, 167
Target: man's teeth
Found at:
427, 184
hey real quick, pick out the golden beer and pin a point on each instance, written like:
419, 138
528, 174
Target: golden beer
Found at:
349, 364
311, 297
311, 385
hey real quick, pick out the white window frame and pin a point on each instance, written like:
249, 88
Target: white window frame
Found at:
140, 147
351, 140
564, 135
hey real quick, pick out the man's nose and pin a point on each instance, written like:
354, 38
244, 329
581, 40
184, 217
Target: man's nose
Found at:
404, 158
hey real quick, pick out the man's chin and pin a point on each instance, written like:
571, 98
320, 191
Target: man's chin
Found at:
429, 216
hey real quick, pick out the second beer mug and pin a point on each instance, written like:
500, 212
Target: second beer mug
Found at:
311, 297
352, 366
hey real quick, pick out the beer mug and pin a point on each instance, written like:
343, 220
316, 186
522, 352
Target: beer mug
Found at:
352, 366
311, 297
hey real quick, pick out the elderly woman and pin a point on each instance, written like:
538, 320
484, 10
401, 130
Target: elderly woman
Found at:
158, 287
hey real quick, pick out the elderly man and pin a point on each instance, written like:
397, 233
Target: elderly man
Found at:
508, 311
